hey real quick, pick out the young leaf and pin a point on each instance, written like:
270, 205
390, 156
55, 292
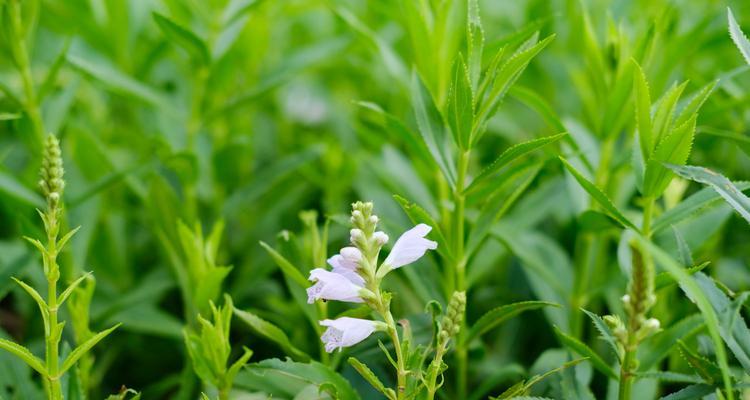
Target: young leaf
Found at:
509, 156
272, 333
692, 206
83, 348
286, 267
643, 112
604, 332
738, 37
673, 149
430, 125
459, 111
475, 42
24, 354
184, 38
371, 378
69, 290
39, 301
600, 197
582, 349
498, 315
665, 108
723, 186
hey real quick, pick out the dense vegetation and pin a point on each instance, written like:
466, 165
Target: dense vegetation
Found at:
416, 199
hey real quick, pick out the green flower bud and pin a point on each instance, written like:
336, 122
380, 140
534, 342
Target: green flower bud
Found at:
52, 183
454, 316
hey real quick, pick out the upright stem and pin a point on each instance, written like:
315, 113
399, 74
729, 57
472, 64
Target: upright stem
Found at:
627, 370
21, 56
400, 366
434, 370
460, 266
52, 339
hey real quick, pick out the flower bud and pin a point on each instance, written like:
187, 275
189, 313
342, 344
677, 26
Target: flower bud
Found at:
356, 235
380, 238
454, 315
52, 172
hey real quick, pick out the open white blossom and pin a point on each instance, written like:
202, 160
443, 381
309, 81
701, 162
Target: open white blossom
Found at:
410, 246
333, 286
346, 331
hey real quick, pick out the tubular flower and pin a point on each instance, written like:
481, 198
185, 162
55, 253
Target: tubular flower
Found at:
410, 246
333, 286
346, 263
345, 332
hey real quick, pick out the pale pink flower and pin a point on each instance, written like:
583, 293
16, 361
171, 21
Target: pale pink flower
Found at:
410, 246
333, 286
345, 332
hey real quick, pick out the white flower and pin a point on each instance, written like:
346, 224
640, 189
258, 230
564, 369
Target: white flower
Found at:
345, 332
410, 246
346, 263
332, 286
356, 235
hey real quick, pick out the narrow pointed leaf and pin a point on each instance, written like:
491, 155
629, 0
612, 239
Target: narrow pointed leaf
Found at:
584, 350
183, 37
599, 197
24, 354
286, 267
272, 333
738, 37
498, 315
723, 186
83, 348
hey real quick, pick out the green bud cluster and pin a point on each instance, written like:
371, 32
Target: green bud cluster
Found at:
641, 298
450, 325
52, 171
363, 235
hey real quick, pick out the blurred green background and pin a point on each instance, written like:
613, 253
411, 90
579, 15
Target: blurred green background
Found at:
286, 106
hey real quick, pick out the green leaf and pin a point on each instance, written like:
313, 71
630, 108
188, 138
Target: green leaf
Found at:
604, 332
371, 378
286, 267
692, 392
184, 38
39, 301
498, 315
665, 108
663, 279
474, 41
272, 333
643, 112
695, 103
24, 354
69, 290
505, 78
430, 125
657, 347
122, 84
723, 186
522, 387
738, 37
673, 149
692, 206
286, 379
509, 155
582, 349
696, 294
460, 107
10, 186
83, 348
599, 197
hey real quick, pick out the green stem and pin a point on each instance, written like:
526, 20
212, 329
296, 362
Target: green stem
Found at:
21, 56
626, 383
460, 266
53, 336
400, 366
435, 370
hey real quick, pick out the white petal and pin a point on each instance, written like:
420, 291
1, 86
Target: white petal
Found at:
410, 246
380, 238
332, 286
345, 331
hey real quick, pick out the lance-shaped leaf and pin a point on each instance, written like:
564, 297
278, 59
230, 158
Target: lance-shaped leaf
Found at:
272, 333
183, 37
673, 149
664, 113
431, 127
474, 41
604, 332
723, 186
599, 197
83, 348
507, 75
584, 350
39, 301
69, 290
24, 354
738, 37
459, 112
286, 266
657, 347
643, 112
692, 206
696, 294
371, 378
498, 315
509, 155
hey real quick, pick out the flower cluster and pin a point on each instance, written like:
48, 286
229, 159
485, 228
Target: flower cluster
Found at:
355, 274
